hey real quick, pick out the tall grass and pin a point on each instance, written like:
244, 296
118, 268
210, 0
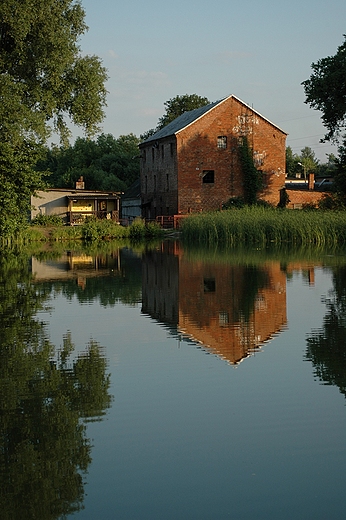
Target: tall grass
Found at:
91, 230
263, 226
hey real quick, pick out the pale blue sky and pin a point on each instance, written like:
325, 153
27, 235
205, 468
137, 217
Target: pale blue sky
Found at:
258, 50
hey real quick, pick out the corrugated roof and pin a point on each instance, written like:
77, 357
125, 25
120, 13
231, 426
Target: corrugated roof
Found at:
190, 117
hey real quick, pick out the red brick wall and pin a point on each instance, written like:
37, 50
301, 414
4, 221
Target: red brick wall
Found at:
197, 151
300, 197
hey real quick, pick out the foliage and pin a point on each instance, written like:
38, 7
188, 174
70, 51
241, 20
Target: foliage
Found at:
45, 396
262, 226
252, 178
284, 198
302, 163
43, 79
308, 161
175, 107
292, 161
340, 171
140, 230
105, 163
234, 202
94, 229
325, 90
47, 220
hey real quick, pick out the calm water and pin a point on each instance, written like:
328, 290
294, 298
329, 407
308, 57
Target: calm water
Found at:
171, 384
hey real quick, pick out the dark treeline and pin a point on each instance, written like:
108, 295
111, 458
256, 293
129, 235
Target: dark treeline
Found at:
105, 163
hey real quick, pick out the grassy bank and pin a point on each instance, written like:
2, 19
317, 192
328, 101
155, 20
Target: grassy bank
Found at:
91, 231
262, 226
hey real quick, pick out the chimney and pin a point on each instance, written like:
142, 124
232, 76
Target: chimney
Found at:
311, 181
80, 184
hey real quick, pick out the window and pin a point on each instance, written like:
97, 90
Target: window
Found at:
153, 154
167, 182
162, 151
208, 176
172, 149
209, 285
223, 319
222, 142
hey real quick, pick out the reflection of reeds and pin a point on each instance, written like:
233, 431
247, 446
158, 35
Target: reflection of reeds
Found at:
262, 226
251, 255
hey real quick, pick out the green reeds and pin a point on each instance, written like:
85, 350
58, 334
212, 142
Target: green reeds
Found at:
262, 226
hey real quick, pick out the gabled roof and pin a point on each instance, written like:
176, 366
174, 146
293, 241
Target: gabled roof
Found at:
187, 118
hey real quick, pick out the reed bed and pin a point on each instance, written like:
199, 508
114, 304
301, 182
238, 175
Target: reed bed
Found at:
263, 226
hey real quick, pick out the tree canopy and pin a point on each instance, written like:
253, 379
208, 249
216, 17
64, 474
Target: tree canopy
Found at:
302, 163
44, 82
106, 163
325, 90
180, 104
175, 107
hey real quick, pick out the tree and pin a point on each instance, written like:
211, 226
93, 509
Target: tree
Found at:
105, 163
292, 162
44, 80
180, 104
308, 160
340, 171
325, 90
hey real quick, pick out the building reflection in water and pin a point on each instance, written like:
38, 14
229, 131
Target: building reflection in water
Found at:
232, 310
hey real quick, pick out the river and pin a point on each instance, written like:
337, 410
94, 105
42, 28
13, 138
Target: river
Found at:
168, 383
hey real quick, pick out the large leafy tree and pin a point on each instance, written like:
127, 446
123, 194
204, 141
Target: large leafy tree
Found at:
106, 163
175, 107
180, 104
44, 81
326, 91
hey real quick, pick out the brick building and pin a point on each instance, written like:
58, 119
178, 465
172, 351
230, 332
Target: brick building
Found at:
193, 163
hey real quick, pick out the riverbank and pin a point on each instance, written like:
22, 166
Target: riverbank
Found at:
261, 226
92, 230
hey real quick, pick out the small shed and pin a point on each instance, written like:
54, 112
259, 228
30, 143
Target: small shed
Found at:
73, 206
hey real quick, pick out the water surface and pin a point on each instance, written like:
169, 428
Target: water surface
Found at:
164, 383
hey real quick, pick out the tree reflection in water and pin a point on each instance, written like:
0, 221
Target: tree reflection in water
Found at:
327, 347
45, 399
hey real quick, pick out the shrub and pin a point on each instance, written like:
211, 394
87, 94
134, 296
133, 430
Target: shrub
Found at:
47, 220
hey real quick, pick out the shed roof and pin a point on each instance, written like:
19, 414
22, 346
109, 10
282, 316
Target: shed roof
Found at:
133, 191
191, 116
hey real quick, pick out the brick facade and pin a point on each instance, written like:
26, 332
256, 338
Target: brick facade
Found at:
297, 198
197, 167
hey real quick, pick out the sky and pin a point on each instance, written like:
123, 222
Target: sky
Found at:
257, 50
